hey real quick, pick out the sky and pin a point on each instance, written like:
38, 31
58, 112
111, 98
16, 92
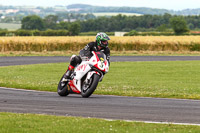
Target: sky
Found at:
162, 4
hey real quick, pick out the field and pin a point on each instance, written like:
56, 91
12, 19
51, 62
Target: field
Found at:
167, 79
120, 44
32, 123
10, 26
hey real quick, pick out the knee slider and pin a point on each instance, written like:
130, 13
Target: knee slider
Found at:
72, 57
75, 60
78, 59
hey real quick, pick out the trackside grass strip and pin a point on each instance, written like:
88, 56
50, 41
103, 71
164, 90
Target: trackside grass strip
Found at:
167, 79
31, 123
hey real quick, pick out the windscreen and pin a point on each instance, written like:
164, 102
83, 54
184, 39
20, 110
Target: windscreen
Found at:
101, 56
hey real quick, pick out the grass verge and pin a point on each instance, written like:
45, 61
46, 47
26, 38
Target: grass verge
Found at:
167, 79
31, 123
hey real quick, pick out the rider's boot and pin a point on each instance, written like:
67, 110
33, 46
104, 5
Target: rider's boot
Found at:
67, 75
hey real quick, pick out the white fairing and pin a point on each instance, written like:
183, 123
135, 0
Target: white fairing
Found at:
81, 70
85, 67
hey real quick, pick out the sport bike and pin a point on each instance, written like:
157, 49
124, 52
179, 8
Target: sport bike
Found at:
86, 76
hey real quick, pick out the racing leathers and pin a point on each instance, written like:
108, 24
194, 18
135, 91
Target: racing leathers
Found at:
86, 52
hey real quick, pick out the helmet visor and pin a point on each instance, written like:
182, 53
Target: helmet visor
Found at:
104, 43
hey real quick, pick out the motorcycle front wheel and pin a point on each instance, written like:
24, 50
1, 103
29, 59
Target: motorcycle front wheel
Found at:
89, 87
63, 88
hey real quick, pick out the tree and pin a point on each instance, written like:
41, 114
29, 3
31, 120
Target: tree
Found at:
74, 28
32, 22
89, 16
162, 28
63, 25
50, 21
190, 26
179, 25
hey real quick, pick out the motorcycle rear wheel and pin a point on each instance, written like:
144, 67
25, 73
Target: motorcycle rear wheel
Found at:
63, 90
92, 86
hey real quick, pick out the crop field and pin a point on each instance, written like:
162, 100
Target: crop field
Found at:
138, 43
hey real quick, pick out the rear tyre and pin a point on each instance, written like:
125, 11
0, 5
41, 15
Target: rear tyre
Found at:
89, 88
63, 88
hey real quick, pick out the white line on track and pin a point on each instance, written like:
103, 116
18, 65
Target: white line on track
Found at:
153, 122
15, 89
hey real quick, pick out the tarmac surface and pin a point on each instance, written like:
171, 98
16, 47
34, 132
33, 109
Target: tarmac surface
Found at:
101, 106
23, 60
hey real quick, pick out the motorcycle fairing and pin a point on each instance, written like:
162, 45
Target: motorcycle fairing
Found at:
98, 60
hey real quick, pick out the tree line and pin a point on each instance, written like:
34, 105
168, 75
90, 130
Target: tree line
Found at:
34, 22
115, 23
139, 23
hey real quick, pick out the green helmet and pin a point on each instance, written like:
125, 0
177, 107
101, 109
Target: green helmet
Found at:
102, 39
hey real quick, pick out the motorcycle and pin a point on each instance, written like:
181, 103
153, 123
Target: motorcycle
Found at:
86, 76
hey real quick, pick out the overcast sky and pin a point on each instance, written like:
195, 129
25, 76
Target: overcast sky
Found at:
166, 4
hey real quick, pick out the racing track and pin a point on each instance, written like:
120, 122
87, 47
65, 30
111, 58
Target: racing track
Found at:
100, 106
7, 61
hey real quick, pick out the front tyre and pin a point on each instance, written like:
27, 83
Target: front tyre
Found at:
62, 89
89, 87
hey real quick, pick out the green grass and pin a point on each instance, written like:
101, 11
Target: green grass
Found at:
31, 123
167, 79
10, 26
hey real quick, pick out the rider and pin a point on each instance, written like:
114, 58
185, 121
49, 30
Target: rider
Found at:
101, 44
